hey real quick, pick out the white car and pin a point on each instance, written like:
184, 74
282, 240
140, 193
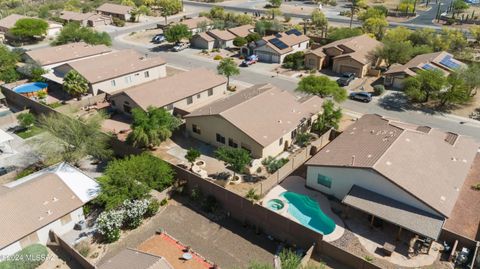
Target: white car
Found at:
181, 46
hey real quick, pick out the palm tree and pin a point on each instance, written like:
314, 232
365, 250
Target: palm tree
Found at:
75, 84
228, 68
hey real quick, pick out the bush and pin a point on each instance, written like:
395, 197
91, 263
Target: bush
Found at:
239, 41
118, 22
378, 89
153, 207
25, 172
217, 57
295, 61
303, 139
289, 259
332, 3
83, 247
28, 258
134, 211
252, 195
109, 223
272, 164
26, 119
476, 187
164, 202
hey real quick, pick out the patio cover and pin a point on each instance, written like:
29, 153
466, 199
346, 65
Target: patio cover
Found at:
403, 215
4, 137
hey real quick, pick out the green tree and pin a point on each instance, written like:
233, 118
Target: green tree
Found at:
425, 85
72, 139
235, 158
228, 68
289, 259
376, 26
275, 3
75, 84
295, 61
322, 86
319, 21
273, 12
459, 6
192, 155
395, 52
475, 32
29, 28
397, 34
456, 90
8, 64
177, 32
151, 127
26, 119
74, 32
329, 118
335, 34
169, 8
355, 7
239, 41
471, 78
253, 37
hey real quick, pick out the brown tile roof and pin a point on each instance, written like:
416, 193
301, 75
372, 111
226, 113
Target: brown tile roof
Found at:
361, 47
419, 61
221, 34
193, 23
412, 159
242, 31
275, 112
206, 37
114, 64
289, 40
75, 16
9, 21
114, 9
67, 52
131, 258
165, 91
33, 204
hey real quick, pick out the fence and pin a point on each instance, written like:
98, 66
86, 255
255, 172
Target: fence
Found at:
345, 257
91, 100
57, 240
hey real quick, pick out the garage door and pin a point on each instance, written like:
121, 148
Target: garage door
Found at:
398, 83
264, 57
349, 69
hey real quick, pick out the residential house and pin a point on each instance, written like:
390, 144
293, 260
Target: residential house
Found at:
198, 25
178, 94
262, 119
48, 200
443, 61
274, 48
242, 31
404, 174
117, 11
113, 72
86, 19
50, 57
132, 258
7, 23
203, 41
223, 38
350, 55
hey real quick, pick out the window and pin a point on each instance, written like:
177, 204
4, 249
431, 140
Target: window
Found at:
220, 139
66, 219
232, 143
280, 142
246, 147
113, 83
198, 96
128, 79
146, 74
210, 92
195, 129
29, 239
169, 107
127, 109
189, 100
324, 181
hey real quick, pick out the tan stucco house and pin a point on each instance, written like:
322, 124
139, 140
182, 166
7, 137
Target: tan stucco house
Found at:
195, 25
113, 10
86, 19
443, 61
242, 31
179, 94
203, 41
262, 119
274, 48
223, 38
352, 55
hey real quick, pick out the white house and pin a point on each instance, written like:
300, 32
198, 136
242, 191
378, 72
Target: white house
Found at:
50, 199
274, 48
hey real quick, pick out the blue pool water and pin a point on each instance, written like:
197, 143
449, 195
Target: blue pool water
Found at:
30, 87
308, 212
275, 204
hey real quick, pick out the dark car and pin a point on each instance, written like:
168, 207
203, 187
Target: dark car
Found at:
361, 96
345, 79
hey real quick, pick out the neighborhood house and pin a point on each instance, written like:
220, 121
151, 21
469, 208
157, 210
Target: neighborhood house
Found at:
114, 71
350, 55
443, 61
114, 10
178, 94
86, 19
263, 120
7, 23
242, 31
51, 199
203, 41
406, 175
223, 38
274, 48
197, 25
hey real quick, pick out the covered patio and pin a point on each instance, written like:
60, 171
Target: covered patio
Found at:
397, 232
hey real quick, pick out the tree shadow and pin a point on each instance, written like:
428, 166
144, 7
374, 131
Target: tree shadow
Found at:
162, 48
397, 101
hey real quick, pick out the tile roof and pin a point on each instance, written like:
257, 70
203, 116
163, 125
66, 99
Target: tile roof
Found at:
263, 112
413, 159
221, 34
418, 62
9, 21
242, 31
165, 91
289, 40
114, 9
32, 202
206, 37
65, 53
131, 258
75, 16
114, 64
193, 23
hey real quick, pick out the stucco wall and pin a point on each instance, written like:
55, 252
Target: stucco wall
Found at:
361, 69
313, 61
201, 43
344, 178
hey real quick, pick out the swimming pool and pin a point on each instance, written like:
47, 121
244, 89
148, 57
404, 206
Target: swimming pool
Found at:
275, 204
31, 87
308, 212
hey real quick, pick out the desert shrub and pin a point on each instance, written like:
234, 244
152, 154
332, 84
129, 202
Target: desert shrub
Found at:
252, 195
164, 202
109, 223
134, 211
153, 207
295, 61
378, 89
217, 57
303, 139
118, 22
272, 164
83, 247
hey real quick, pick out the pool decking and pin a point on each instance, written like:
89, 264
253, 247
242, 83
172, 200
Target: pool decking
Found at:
297, 184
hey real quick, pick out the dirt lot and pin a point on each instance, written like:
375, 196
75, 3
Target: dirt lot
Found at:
143, 37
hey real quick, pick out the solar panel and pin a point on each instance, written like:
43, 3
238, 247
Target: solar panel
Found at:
449, 62
293, 31
428, 67
278, 43
278, 35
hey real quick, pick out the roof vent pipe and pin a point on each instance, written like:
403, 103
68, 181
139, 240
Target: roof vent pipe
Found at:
353, 160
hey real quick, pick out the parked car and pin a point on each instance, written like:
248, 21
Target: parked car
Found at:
157, 39
361, 96
250, 60
181, 46
345, 79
